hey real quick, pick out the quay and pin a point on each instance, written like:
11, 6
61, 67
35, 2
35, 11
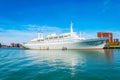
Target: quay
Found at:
112, 45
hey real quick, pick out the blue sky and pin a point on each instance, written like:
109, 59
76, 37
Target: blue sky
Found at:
20, 20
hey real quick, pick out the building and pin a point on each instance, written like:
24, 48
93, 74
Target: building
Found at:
15, 45
105, 34
116, 40
12, 45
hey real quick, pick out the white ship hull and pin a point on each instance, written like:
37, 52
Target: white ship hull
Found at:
81, 44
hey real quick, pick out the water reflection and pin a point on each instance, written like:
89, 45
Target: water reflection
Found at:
66, 57
71, 57
109, 55
71, 60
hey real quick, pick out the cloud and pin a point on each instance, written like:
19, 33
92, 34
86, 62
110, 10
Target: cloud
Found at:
20, 36
16, 36
106, 5
46, 29
116, 34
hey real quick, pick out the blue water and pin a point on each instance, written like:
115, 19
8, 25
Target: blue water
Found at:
18, 64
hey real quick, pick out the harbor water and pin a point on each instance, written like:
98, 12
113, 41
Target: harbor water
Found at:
19, 64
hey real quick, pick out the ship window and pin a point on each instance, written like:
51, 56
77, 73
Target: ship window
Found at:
50, 38
65, 36
55, 37
38, 40
46, 38
42, 40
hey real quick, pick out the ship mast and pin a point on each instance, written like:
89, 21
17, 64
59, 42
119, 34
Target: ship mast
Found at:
71, 27
40, 35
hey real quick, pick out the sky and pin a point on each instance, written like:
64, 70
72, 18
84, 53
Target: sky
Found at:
20, 20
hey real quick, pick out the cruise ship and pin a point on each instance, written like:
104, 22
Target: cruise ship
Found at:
65, 41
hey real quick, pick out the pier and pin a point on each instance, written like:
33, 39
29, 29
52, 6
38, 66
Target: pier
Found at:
112, 45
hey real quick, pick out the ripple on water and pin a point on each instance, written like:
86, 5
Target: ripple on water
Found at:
58, 65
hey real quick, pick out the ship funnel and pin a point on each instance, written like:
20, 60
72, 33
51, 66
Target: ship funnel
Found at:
71, 27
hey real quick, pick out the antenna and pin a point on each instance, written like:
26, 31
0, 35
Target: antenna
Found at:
40, 34
71, 29
81, 33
